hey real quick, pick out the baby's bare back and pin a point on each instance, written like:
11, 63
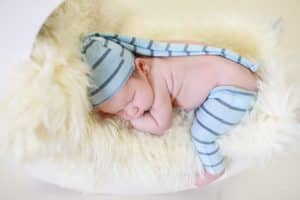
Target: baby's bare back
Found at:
192, 78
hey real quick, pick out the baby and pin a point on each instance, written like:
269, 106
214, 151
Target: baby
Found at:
142, 80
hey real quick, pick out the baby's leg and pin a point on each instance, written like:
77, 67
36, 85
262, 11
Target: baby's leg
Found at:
222, 110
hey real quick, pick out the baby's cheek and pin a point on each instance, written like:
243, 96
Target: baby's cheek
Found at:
122, 115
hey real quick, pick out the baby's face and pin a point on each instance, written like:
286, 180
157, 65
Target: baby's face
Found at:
135, 97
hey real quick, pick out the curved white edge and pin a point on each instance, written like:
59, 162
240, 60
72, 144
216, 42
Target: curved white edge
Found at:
20, 22
83, 181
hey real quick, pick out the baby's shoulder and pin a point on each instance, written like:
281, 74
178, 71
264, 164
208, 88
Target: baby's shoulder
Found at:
159, 73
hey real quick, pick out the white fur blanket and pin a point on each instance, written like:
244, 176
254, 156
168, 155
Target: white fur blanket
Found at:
46, 121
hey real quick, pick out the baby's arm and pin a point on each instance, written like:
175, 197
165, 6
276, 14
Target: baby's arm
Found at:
159, 118
156, 121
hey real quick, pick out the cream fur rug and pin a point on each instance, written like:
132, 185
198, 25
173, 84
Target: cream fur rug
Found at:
47, 125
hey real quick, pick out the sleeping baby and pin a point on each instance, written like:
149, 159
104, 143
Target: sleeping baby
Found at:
141, 81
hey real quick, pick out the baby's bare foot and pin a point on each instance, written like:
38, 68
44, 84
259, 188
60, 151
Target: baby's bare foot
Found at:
206, 179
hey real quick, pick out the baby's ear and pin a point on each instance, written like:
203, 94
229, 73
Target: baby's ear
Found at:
141, 65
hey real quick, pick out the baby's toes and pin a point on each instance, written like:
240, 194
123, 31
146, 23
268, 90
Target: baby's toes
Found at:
200, 181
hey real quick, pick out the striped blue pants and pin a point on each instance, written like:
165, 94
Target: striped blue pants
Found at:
223, 109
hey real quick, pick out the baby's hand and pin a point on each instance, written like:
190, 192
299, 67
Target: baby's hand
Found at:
147, 123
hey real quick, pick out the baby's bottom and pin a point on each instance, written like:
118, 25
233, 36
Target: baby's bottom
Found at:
223, 109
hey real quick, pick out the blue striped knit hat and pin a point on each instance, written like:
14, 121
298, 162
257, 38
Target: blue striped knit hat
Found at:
111, 58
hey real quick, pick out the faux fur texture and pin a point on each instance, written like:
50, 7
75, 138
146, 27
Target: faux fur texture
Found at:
47, 124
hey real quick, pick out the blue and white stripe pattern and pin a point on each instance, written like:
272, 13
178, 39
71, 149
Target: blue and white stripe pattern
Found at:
223, 109
111, 57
